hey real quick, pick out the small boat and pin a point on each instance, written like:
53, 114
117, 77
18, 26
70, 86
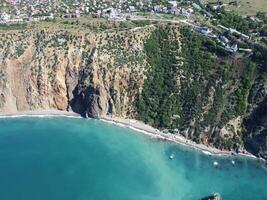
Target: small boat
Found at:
215, 164
171, 156
233, 162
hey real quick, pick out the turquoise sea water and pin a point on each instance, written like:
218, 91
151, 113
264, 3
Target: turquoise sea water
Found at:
82, 159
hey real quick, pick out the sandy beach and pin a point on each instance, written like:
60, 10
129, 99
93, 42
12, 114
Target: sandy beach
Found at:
153, 132
39, 113
133, 124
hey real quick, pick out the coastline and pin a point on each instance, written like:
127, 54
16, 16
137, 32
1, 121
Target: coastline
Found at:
135, 125
39, 113
178, 139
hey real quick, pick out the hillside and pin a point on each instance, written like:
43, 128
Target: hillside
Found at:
244, 7
163, 74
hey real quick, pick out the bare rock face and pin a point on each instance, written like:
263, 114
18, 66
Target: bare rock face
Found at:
256, 131
93, 74
97, 100
35, 72
255, 134
91, 101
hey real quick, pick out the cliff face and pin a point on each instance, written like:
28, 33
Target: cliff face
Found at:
256, 133
36, 74
92, 73
255, 123
166, 76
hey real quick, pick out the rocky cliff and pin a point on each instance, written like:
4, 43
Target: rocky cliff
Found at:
165, 75
90, 72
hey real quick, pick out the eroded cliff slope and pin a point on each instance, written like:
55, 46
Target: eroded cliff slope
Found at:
163, 74
93, 73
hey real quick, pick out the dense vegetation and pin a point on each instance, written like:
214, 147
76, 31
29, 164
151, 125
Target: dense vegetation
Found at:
194, 88
20, 50
13, 26
242, 24
159, 99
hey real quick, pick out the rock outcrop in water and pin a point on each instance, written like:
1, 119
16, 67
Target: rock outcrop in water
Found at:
162, 74
215, 196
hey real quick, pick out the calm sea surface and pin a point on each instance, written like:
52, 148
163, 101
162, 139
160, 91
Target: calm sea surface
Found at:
81, 159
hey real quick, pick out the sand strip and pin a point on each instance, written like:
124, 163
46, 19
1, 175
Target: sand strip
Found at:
39, 113
132, 124
148, 130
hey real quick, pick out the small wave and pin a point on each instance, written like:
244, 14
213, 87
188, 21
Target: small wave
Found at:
130, 127
207, 152
192, 146
141, 131
107, 121
37, 116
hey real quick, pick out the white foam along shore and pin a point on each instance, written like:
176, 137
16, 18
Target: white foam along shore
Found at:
153, 132
129, 123
40, 113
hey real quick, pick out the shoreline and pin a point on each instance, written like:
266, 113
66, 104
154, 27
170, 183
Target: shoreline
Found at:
135, 125
178, 139
39, 113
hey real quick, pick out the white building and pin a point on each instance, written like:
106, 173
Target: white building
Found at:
205, 30
15, 20
175, 11
173, 3
5, 17
157, 8
234, 47
132, 9
196, 6
224, 39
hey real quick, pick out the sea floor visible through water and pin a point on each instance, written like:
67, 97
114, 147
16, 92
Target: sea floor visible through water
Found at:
73, 158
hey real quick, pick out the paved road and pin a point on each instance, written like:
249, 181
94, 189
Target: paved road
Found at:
138, 18
184, 21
